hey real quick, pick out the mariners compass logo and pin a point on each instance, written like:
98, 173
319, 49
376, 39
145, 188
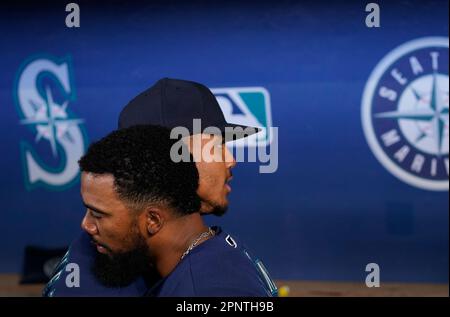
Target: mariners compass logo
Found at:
405, 113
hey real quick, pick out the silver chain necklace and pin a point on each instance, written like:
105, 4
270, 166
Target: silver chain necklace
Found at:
205, 234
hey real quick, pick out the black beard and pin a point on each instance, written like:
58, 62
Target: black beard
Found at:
219, 210
216, 209
121, 269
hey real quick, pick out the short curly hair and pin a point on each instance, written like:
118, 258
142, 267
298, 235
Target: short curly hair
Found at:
139, 160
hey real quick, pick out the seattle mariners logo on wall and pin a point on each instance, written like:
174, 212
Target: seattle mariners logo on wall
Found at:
43, 90
248, 106
405, 112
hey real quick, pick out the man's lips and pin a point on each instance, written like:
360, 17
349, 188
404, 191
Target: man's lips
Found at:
100, 248
227, 185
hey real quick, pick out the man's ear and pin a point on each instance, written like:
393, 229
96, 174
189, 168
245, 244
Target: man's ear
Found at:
154, 220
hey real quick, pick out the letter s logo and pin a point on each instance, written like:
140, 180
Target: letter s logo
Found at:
40, 83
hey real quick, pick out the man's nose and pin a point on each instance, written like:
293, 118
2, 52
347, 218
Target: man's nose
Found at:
229, 158
88, 225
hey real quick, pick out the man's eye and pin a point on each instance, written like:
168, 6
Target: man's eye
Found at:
95, 214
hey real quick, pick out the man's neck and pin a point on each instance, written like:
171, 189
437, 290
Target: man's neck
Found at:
175, 239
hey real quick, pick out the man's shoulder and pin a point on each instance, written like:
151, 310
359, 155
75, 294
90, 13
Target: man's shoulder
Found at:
220, 253
221, 266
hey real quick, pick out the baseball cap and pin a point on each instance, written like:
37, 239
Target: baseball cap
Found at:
174, 103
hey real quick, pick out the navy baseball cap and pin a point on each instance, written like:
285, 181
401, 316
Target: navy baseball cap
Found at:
173, 103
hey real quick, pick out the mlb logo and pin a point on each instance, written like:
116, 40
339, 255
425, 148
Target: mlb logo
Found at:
249, 106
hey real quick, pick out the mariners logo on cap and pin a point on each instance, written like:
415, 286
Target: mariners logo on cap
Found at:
405, 113
248, 106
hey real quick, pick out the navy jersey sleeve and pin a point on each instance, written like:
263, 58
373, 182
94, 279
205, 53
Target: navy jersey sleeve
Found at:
228, 275
219, 267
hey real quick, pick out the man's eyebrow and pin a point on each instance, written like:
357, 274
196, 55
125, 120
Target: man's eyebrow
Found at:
95, 209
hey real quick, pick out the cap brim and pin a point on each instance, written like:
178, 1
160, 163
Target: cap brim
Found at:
232, 132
